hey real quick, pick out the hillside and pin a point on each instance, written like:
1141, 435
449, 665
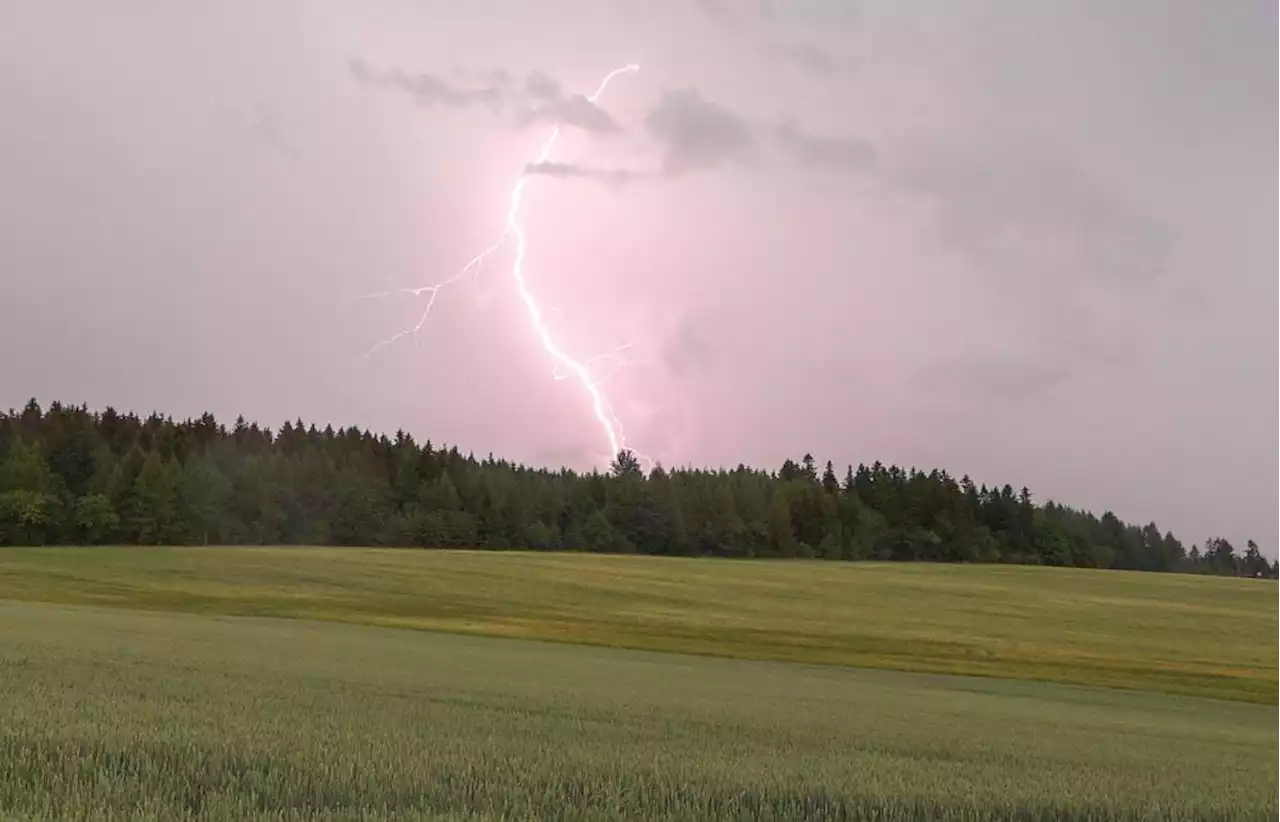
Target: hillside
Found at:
1156, 632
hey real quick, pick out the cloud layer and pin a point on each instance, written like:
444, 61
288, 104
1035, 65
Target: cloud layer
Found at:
839, 153
697, 133
540, 99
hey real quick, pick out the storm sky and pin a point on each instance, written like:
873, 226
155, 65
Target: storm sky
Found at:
1030, 242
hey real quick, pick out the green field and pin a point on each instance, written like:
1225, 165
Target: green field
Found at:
1172, 633
158, 684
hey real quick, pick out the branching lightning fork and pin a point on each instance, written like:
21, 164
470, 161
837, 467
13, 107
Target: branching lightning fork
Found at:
563, 365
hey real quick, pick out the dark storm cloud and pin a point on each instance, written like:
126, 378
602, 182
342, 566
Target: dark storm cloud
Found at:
542, 86
571, 110
574, 171
428, 89
842, 153
697, 133
542, 96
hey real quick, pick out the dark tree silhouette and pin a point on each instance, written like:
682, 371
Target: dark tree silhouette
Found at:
68, 475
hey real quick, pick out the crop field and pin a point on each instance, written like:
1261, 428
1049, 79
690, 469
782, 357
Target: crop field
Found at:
177, 716
1171, 633
161, 684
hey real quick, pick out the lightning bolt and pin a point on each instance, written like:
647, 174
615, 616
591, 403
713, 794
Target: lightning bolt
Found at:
563, 365
473, 265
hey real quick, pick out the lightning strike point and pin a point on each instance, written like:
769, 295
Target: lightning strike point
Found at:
563, 365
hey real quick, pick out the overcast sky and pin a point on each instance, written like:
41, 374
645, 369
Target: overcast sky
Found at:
1031, 242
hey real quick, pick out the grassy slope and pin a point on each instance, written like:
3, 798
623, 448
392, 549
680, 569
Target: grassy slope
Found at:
1177, 634
110, 713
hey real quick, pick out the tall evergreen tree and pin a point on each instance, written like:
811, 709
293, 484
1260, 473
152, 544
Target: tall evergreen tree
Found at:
151, 515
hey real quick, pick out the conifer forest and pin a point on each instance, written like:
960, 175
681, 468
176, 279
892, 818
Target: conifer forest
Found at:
69, 475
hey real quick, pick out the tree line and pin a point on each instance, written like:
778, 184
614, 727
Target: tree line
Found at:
69, 475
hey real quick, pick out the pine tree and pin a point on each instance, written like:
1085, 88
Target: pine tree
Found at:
601, 537
25, 469
30, 493
151, 509
625, 465
1253, 564
540, 537
829, 482
780, 531
203, 494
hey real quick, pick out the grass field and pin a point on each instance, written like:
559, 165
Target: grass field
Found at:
1171, 633
157, 684
111, 714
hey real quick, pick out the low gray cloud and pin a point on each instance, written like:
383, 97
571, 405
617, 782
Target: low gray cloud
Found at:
757, 24
995, 379
806, 55
428, 89
718, 12
1068, 340
843, 153
1060, 245
572, 110
267, 130
542, 86
698, 133
574, 171
686, 350
737, 15
818, 14
488, 77
1035, 216
541, 98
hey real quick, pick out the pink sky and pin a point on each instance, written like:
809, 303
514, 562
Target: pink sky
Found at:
1028, 242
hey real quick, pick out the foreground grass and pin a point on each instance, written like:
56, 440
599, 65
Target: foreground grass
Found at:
1168, 633
113, 714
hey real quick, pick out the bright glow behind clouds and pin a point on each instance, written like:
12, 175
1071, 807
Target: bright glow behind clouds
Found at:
1054, 267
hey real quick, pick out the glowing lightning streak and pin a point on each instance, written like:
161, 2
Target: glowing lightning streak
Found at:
599, 402
614, 358
434, 291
